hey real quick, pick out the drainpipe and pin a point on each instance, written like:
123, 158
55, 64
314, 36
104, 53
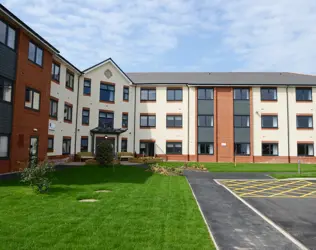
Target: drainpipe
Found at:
288, 123
188, 122
76, 126
134, 136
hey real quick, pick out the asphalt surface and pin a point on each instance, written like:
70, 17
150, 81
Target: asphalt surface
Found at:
233, 225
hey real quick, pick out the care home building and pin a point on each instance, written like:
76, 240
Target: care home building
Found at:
50, 108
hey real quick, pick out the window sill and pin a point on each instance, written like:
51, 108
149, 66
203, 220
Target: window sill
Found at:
85, 124
86, 94
111, 102
305, 128
35, 64
241, 155
53, 118
269, 100
174, 154
66, 121
269, 128
207, 154
147, 101
304, 100
269, 155
125, 100
55, 81
124, 127
174, 101
147, 127
174, 127
305, 156
70, 89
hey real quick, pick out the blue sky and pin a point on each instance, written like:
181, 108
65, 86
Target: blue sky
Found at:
178, 35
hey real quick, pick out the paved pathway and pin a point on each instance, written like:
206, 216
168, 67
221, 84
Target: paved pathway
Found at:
234, 225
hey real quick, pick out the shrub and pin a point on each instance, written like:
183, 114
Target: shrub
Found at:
155, 168
105, 153
38, 176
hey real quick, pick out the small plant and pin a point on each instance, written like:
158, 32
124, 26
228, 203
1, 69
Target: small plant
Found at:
155, 168
38, 176
105, 153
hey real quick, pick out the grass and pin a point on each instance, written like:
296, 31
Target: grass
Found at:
143, 211
286, 176
247, 167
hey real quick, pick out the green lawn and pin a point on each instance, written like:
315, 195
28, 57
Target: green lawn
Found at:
286, 176
248, 167
143, 211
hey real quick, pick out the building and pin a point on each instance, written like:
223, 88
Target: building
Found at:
50, 108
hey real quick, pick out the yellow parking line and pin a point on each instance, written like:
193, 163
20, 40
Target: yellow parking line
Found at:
288, 191
241, 183
267, 189
261, 184
309, 193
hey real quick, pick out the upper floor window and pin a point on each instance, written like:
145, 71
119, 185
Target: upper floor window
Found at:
271, 149
53, 108
84, 144
124, 145
87, 87
68, 113
70, 80
241, 121
305, 149
242, 149
304, 121
4, 146
35, 54
303, 94
269, 94
205, 148
55, 71
174, 94
174, 121
32, 99
7, 35
205, 121
106, 119
85, 116
124, 120
241, 94
147, 94
148, 121
126, 93
5, 90
205, 94
174, 147
107, 92
269, 121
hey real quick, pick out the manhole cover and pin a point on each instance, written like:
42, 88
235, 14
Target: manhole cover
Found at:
88, 200
103, 191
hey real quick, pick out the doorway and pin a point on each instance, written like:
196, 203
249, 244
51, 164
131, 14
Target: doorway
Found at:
33, 151
147, 148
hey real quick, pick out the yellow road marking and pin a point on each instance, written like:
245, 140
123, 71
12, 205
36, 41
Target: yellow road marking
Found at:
305, 195
288, 191
268, 189
261, 184
238, 183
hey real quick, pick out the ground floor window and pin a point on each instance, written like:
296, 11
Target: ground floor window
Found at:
66, 146
206, 148
50, 147
271, 149
305, 149
84, 145
174, 148
4, 146
147, 148
124, 145
242, 149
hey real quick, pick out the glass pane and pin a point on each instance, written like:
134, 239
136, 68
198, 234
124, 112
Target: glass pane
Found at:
209, 121
11, 38
28, 98
152, 95
178, 121
275, 122
310, 149
310, 122
210, 149
4, 146
31, 54
6, 91
102, 114
237, 94
178, 148
39, 56
152, 121
3, 28
36, 100
33, 145
170, 95
85, 112
109, 115
244, 94
275, 149
209, 94
201, 121
178, 95
199, 148
143, 121
144, 94
170, 121
201, 94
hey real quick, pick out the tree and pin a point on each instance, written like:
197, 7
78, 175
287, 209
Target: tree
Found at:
105, 153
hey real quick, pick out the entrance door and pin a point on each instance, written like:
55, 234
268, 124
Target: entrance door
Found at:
147, 148
33, 150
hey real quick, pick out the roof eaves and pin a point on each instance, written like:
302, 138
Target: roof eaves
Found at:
73, 66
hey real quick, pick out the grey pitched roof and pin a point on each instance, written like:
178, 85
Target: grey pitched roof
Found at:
223, 78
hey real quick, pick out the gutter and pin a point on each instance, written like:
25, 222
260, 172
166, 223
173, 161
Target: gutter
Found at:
134, 136
288, 123
76, 127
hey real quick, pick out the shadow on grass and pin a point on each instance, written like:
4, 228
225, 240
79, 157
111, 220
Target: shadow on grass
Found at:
87, 175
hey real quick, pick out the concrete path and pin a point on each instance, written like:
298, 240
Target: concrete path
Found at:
233, 225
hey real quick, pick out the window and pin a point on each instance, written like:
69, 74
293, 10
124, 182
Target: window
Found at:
148, 94
270, 149
50, 147
68, 113
4, 146
7, 35
205, 94
148, 121
269, 121
174, 94
85, 116
55, 72
106, 119
107, 92
269, 94
84, 145
66, 146
87, 87
303, 94
205, 148
53, 108
305, 149
70, 80
32, 99
174, 121
35, 54
304, 121
205, 121
242, 149
5, 90
174, 148
126, 93
124, 120
124, 145
241, 94
241, 121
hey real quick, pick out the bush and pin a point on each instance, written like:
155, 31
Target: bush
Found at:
38, 176
155, 168
105, 153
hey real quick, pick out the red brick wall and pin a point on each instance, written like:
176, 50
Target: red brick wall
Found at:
24, 120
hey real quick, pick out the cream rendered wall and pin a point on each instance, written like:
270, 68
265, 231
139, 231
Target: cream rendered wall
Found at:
300, 108
161, 107
64, 95
279, 134
192, 118
92, 102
